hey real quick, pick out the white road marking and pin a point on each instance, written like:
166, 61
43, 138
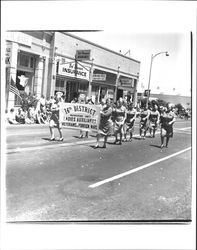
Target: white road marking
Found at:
186, 128
185, 132
137, 169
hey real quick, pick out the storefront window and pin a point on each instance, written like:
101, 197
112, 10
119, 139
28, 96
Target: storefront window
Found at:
83, 87
95, 94
31, 62
25, 60
60, 83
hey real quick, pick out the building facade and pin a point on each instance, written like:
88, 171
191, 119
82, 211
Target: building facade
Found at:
43, 62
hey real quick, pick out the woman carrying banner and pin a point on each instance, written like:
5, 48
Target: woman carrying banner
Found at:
154, 119
106, 124
167, 119
82, 100
144, 116
119, 119
130, 120
55, 120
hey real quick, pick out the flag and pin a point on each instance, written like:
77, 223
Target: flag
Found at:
23, 80
14, 89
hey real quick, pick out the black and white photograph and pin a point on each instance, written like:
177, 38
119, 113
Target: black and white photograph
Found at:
97, 120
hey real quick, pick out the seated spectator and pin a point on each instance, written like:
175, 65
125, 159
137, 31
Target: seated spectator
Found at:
20, 116
12, 117
31, 114
27, 119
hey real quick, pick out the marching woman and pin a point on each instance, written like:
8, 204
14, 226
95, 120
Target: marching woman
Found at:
154, 119
144, 116
167, 119
130, 120
119, 120
106, 124
54, 118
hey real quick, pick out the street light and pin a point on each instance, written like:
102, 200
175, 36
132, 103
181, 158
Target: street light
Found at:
152, 57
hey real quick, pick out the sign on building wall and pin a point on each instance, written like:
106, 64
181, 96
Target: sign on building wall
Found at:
83, 55
19, 37
80, 116
73, 69
126, 82
8, 54
99, 77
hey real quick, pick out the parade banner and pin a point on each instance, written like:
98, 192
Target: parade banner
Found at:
80, 116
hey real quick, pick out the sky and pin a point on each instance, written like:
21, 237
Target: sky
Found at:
169, 75
143, 27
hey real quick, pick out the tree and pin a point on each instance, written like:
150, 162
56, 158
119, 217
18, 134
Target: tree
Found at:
161, 102
180, 108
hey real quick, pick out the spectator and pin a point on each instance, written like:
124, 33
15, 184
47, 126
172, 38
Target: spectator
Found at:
12, 117
26, 117
52, 100
31, 114
89, 101
47, 104
75, 100
42, 103
20, 116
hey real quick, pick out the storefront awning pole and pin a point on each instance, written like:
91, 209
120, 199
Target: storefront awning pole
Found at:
90, 79
116, 86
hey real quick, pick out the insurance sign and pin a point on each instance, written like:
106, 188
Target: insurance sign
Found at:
74, 69
80, 116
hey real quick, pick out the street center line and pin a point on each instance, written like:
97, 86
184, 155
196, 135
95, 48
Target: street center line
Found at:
137, 169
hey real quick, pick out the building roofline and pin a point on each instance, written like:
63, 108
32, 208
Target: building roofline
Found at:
97, 45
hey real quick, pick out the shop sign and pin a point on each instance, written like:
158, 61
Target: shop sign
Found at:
126, 82
99, 77
73, 69
19, 37
80, 116
83, 55
8, 54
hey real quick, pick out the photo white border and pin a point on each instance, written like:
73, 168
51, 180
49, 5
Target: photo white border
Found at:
150, 16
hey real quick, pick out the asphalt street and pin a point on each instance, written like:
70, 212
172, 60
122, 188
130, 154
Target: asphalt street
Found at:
72, 181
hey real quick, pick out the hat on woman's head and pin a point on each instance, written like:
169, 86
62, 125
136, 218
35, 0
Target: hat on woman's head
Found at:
59, 94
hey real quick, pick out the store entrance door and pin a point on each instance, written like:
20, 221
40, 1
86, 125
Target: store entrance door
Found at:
71, 90
119, 93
